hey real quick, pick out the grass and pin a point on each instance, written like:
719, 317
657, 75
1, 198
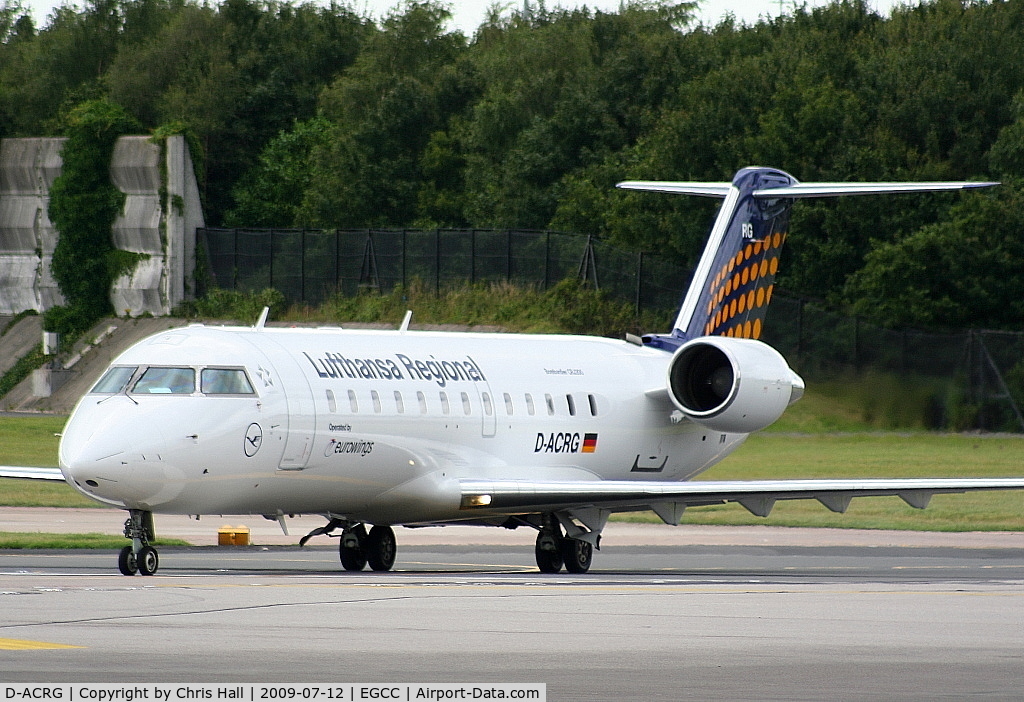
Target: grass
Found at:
19, 540
30, 441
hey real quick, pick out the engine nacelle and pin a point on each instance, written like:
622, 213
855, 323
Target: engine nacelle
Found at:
732, 385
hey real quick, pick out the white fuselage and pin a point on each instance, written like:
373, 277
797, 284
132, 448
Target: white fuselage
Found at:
376, 426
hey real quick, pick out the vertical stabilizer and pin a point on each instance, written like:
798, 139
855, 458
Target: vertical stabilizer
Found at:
733, 282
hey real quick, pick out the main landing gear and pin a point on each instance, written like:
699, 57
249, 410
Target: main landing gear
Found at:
139, 557
357, 548
553, 549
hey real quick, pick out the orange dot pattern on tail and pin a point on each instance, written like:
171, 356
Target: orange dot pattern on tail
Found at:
740, 291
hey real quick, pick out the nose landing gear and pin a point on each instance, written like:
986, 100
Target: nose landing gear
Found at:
139, 558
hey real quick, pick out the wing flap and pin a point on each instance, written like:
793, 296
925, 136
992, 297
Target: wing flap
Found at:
669, 499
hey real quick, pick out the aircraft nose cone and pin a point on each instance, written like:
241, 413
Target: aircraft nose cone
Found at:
94, 462
102, 455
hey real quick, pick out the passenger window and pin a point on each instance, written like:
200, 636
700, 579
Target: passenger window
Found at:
593, 405
530, 410
353, 403
166, 381
114, 380
332, 404
508, 404
467, 408
376, 401
488, 407
422, 400
572, 405
225, 381
445, 409
550, 402
399, 402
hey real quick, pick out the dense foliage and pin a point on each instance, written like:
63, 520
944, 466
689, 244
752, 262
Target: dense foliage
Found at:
83, 207
316, 116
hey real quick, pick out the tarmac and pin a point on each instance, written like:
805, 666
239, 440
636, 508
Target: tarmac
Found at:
263, 532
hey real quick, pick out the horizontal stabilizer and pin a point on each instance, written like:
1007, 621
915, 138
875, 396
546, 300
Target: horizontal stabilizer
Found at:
802, 190
718, 190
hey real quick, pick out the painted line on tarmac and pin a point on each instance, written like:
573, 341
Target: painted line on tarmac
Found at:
26, 645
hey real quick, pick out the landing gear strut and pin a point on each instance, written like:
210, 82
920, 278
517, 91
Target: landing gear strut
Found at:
140, 557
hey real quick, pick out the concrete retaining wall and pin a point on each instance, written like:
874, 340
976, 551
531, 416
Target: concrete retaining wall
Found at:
161, 213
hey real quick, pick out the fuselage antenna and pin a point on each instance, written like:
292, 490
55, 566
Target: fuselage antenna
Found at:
405, 322
262, 321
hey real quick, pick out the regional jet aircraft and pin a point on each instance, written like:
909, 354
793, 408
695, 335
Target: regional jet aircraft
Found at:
549, 432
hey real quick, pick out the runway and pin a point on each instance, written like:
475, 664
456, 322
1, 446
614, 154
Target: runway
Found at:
659, 622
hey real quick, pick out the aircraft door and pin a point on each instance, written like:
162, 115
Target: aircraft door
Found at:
301, 412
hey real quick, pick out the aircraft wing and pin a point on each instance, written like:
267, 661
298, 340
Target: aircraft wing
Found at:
758, 496
31, 472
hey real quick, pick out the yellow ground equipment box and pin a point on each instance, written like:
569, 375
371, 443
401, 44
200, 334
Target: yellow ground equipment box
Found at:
233, 536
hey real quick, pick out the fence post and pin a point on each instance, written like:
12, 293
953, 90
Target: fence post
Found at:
472, 257
856, 343
337, 262
547, 259
437, 262
800, 328
639, 278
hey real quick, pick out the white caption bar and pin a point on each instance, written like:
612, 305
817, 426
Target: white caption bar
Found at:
347, 692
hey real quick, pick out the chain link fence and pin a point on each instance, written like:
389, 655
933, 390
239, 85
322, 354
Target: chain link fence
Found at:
978, 376
309, 265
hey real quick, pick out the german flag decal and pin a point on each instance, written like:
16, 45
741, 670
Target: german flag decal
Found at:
589, 443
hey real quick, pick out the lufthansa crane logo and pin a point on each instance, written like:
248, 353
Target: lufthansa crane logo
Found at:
253, 439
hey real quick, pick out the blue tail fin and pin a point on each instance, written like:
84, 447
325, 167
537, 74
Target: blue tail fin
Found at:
735, 278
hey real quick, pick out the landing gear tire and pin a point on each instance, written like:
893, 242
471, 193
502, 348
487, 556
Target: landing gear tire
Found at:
548, 553
126, 561
577, 554
381, 548
353, 556
147, 560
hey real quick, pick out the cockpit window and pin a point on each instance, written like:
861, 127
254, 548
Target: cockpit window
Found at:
173, 381
225, 381
114, 380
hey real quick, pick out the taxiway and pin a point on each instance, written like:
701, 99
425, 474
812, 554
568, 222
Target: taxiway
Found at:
784, 620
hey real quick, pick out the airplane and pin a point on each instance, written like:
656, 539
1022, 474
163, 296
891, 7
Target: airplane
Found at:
419, 428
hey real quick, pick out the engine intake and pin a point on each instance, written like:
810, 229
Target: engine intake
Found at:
732, 385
